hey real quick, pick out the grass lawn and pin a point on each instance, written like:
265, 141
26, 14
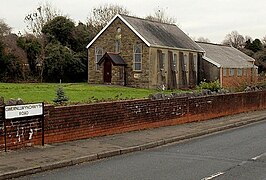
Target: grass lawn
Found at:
77, 92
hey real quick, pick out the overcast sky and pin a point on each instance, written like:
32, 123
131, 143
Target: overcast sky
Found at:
212, 19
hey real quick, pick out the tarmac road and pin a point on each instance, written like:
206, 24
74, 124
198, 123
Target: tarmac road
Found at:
232, 154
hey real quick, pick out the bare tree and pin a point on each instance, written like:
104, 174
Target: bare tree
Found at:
234, 39
4, 28
264, 40
203, 39
102, 14
161, 16
36, 20
248, 38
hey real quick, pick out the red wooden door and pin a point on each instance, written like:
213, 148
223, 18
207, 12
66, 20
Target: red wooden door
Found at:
107, 75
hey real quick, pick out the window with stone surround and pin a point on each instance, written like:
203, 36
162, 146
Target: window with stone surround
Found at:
174, 62
185, 62
137, 57
117, 45
163, 61
98, 56
195, 62
118, 40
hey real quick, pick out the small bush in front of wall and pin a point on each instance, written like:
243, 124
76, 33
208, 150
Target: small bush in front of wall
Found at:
212, 86
262, 83
60, 98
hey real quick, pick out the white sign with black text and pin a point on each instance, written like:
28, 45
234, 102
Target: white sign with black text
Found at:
25, 110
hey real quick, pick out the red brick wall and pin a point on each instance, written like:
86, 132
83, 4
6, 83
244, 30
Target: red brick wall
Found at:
84, 121
2, 145
21, 133
238, 81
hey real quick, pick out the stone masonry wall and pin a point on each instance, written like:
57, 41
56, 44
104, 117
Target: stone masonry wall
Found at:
128, 40
84, 121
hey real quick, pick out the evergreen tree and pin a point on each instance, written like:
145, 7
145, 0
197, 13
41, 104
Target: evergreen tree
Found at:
60, 98
255, 45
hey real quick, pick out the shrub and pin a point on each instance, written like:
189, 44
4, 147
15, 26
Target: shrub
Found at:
212, 86
60, 98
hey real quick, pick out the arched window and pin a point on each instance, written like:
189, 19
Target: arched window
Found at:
117, 45
98, 56
118, 40
137, 59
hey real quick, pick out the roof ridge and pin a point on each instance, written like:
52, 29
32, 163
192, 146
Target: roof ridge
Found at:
136, 17
213, 43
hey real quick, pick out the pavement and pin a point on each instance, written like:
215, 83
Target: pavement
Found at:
42, 158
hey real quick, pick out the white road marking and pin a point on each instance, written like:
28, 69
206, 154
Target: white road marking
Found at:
213, 176
242, 163
259, 156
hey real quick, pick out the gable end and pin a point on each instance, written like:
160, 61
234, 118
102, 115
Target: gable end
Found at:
127, 24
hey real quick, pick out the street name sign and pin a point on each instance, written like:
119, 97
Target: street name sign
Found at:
25, 110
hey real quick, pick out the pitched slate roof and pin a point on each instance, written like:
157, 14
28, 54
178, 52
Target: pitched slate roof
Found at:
115, 58
226, 56
156, 34
162, 34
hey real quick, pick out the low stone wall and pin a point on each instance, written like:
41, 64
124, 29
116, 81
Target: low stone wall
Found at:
84, 121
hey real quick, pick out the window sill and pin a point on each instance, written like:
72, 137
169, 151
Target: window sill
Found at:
137, 71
